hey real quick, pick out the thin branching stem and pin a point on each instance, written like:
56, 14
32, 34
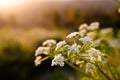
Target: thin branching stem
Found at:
104, 73
76, 68
45, 58
111, 72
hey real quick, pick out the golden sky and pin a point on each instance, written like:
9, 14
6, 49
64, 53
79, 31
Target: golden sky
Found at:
29, 10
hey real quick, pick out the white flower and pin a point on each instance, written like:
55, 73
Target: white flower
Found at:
75, 48
94, 54
60, 44
86, 40
94, 25
38, 60
58, 60
73, 34
106, 31
82, 32
39, 51
89, 67
42, 50
83, 26
50, 42
91, 34
115, 43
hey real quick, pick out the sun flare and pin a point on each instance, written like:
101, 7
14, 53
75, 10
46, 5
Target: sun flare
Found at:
10, 3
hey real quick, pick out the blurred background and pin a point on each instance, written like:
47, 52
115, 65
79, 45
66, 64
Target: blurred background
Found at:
25, 24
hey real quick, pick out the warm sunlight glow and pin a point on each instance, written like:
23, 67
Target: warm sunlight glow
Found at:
10, 3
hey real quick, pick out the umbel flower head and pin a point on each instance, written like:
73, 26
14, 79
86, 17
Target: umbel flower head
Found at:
94, 25
38, 60
81, 52
60, 44
73, 35
86, 40
58, 60
94, 54
42, 50
83, 26
89, 67
75, 47
49, 43
89, 30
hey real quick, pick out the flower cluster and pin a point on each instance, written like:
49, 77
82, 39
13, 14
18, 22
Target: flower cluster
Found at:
82, 53
88, 30
58, 60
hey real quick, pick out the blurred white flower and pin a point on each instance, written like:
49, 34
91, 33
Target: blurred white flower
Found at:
38, 60
60, 44
58, 60
42, 50
73, 34
115, 43
94, 54
82, 32
106, 31
86, 40
75, 48
83, 26
89, 67
91, 34
50, 42
94, 25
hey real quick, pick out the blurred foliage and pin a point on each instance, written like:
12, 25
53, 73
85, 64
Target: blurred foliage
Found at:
17, 55
72, 18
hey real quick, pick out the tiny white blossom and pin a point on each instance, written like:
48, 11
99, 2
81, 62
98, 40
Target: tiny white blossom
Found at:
38, 60
94, 54
75, 48
58, 60
39, 51
94, 25
42, 50
50, 42
89, 67
73, 34
60, 44
86, 40
83, 26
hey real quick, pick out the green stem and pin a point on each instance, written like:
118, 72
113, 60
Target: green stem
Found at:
104, 73
71, 65
45, 58
111, 71
69, 58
